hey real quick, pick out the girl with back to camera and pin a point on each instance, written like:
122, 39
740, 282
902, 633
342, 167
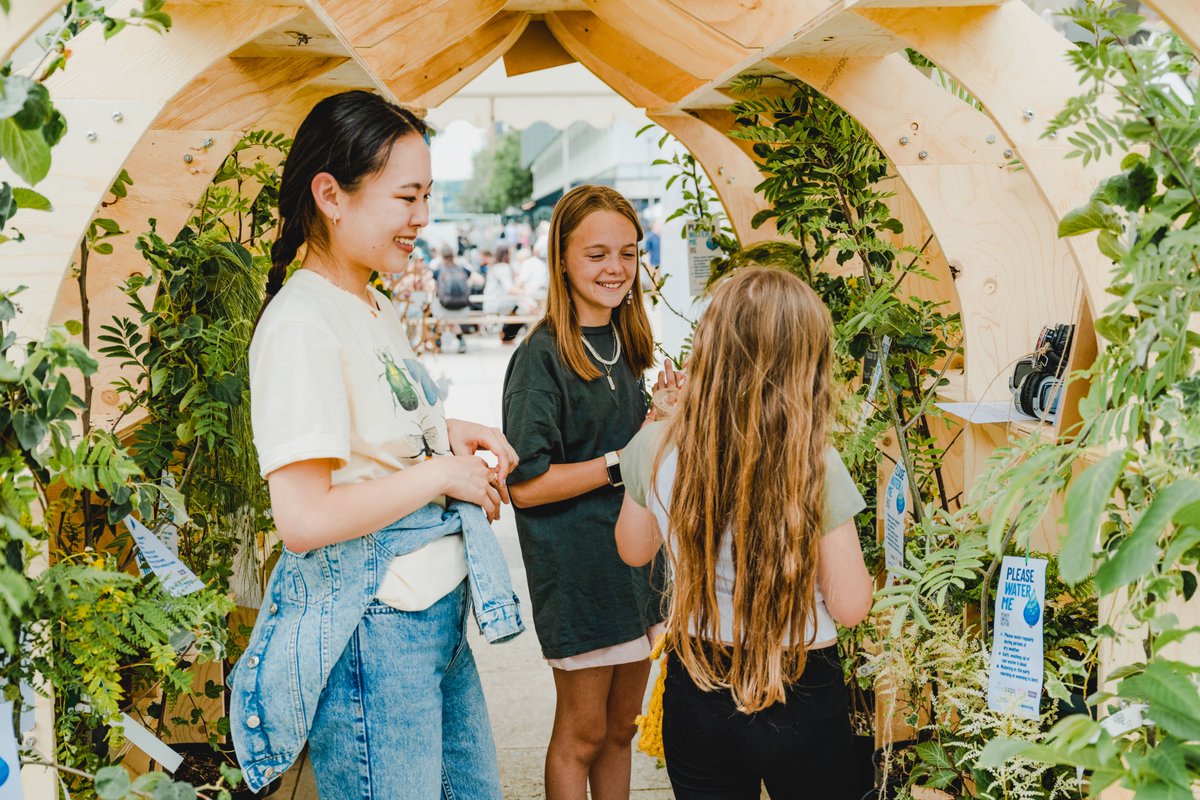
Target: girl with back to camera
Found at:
756, 511
380, 501
573, 397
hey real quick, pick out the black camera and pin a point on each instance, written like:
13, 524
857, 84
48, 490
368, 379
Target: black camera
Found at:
1038, 379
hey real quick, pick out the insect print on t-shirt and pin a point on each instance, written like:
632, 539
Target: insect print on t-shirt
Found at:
403, 392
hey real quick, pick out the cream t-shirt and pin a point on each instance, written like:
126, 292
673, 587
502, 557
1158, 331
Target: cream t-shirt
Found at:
331, 377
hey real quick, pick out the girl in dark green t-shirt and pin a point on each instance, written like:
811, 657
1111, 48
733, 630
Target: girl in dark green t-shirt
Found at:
573, 398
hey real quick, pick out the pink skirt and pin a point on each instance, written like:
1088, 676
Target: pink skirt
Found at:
624, 653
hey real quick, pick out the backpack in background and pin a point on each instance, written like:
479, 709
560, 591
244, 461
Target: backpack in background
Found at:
454, 287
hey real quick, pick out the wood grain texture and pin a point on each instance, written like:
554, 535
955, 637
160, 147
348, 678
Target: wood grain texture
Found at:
537, 49
1015, 64
630, 69
235, 92
431, 82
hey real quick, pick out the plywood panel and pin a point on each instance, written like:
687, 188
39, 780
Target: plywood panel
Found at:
436, 79
1016, 65
627, 67
233, 94
692, 46
166, 189
432, 33
537, 49
754, 23
114, 90
1013, 274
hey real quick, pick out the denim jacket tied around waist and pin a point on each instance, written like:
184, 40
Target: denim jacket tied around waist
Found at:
311, 607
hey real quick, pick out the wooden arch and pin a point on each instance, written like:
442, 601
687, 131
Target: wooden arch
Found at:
244, 63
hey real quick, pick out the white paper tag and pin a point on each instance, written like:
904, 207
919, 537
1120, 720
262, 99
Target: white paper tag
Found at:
168, 532
877, 373
1016, 671
895, 506
1127, 719
176, 578
10, 762
701, 250
150, 744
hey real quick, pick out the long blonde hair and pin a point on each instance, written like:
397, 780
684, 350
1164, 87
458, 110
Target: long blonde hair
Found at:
629, 319
752, 430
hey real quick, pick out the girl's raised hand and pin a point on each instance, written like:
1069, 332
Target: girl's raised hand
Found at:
665, 397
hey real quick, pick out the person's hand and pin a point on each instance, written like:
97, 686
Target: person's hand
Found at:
665, 395
468, 438
469, 478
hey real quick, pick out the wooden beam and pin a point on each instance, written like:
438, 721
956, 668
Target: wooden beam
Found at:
1016, 65
439, 77
751, 23
235, 92
635, 72
113, 91
692, 46
425, 37
732, 173
25, 17
537, 49
1183, 16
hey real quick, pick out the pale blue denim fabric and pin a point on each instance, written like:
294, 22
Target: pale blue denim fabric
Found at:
403, 716
313, 605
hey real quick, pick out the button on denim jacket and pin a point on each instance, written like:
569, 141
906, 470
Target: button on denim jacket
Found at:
312, 606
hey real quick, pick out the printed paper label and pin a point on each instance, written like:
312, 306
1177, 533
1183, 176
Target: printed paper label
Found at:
1015, 675
895, 506
701, 250
176, 578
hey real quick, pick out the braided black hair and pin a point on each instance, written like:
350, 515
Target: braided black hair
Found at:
348, 135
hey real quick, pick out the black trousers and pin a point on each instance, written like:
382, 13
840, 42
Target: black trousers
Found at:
800, 749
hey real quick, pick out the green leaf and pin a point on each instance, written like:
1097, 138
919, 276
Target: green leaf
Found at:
1092, 217
1087, 499
28, 198
1173, 698
174, 498
26, 151
36, 110
14, 89
1139, 552
934, 754
73, 326
112, 783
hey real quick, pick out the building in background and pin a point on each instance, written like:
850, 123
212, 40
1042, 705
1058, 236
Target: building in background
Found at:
612, 156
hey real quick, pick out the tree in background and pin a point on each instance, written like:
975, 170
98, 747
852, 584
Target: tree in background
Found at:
499, 181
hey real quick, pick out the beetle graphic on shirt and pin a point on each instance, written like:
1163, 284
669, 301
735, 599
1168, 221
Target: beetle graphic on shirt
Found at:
426, 436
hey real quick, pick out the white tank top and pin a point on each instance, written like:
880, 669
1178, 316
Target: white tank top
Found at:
659, 500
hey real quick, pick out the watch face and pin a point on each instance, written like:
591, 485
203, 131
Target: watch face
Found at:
614, 474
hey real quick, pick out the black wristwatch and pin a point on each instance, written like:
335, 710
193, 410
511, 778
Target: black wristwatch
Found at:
612, 465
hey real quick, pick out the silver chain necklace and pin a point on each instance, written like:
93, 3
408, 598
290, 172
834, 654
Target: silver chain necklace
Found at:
607, 364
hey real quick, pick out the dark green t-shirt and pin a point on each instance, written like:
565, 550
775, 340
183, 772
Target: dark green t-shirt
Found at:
584, 596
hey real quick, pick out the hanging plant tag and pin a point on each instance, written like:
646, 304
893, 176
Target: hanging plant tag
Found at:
1015, 674
895, 506
701, 250
150, 744
176, 578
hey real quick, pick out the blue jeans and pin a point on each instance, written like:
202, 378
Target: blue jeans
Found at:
403, 716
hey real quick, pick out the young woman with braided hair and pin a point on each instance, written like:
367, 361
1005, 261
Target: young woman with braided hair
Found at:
381, 502
756, 511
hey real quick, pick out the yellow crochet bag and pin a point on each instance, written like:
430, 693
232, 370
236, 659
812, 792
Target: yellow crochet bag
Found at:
650, 724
